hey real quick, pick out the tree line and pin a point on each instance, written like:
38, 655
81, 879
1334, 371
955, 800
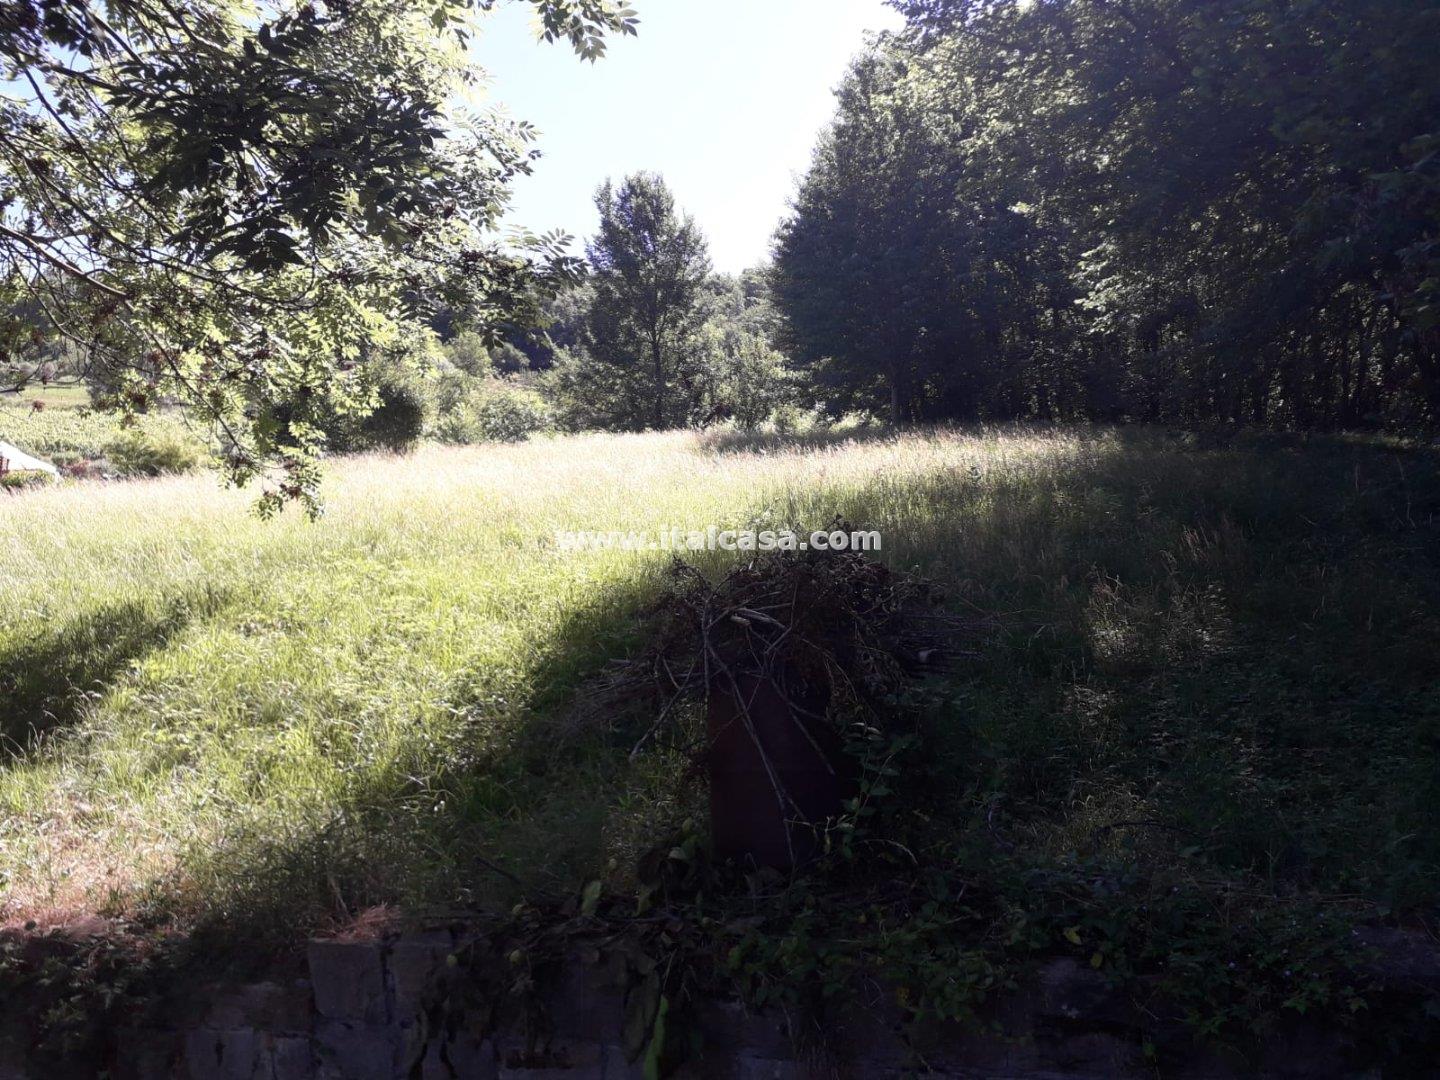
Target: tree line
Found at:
1186, 211
1163, 210
655, 338
1121, 210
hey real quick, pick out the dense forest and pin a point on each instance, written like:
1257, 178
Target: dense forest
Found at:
1145, 209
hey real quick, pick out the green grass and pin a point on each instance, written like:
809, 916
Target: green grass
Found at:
69, 430
1227, 658
59, 395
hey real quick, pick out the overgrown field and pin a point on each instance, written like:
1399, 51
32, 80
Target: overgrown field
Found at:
1219, 661
58, 395
69, 433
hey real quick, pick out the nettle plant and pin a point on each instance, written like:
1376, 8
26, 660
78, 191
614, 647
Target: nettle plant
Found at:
232, 204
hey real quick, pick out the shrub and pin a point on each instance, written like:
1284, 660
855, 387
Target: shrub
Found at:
468, 353
153, 452
511, 415
397, 424
18, 481
589, 396
490, 411
509, 359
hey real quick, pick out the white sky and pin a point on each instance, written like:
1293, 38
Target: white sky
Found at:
724, 97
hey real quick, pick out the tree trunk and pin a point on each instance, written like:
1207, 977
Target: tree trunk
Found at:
657, 360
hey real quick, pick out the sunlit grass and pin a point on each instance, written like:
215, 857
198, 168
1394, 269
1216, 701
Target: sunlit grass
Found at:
67, 429
212, 715
58, 395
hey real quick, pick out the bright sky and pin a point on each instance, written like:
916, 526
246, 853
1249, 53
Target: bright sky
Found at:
724, 97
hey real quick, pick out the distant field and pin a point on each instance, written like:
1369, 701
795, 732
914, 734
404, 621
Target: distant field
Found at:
54, 396
67, 430
1227, 654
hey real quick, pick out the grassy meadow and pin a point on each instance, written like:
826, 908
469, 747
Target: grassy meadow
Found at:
68, 432
58, 395
1222, 657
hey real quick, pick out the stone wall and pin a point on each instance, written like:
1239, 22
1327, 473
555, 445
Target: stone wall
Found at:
365, 1010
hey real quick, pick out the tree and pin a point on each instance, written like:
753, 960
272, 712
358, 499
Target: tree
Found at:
1154, 209
906, 287
750, 380
236, 209
470, 354
728, 368
650, 263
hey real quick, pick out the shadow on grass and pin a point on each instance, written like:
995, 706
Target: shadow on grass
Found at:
46, 683
1221, 661
523, 807
1216, 665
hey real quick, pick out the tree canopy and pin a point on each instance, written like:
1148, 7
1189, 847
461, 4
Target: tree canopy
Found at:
232, 204
1157, 209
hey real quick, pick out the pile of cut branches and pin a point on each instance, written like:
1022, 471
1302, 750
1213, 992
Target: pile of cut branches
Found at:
837, 636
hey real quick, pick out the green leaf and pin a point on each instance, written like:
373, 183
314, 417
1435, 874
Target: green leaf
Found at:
641, 1009
655, 1051
590, 897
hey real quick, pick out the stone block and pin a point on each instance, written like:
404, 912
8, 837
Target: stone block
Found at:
617, 1067
587, 1002
291, 1058
463, 1057
145, 1053
413, 965
754, 1068
278, 1008
1302, 1049
1098, 1055
349, 1051
557, 1059
224, 1055
348, 979
960, 1049
1068, 991
730, 1025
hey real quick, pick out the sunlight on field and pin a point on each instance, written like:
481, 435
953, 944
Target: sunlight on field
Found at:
68, 430
200, 679
213, 716
69, 395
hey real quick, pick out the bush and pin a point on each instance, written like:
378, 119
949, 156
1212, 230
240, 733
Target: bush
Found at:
589, 396
468, 353
397, 424
490, 411
153, 452
19, 481
509, 359
511, 415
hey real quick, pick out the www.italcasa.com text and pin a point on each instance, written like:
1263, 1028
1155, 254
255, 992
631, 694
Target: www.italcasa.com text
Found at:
715, 538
